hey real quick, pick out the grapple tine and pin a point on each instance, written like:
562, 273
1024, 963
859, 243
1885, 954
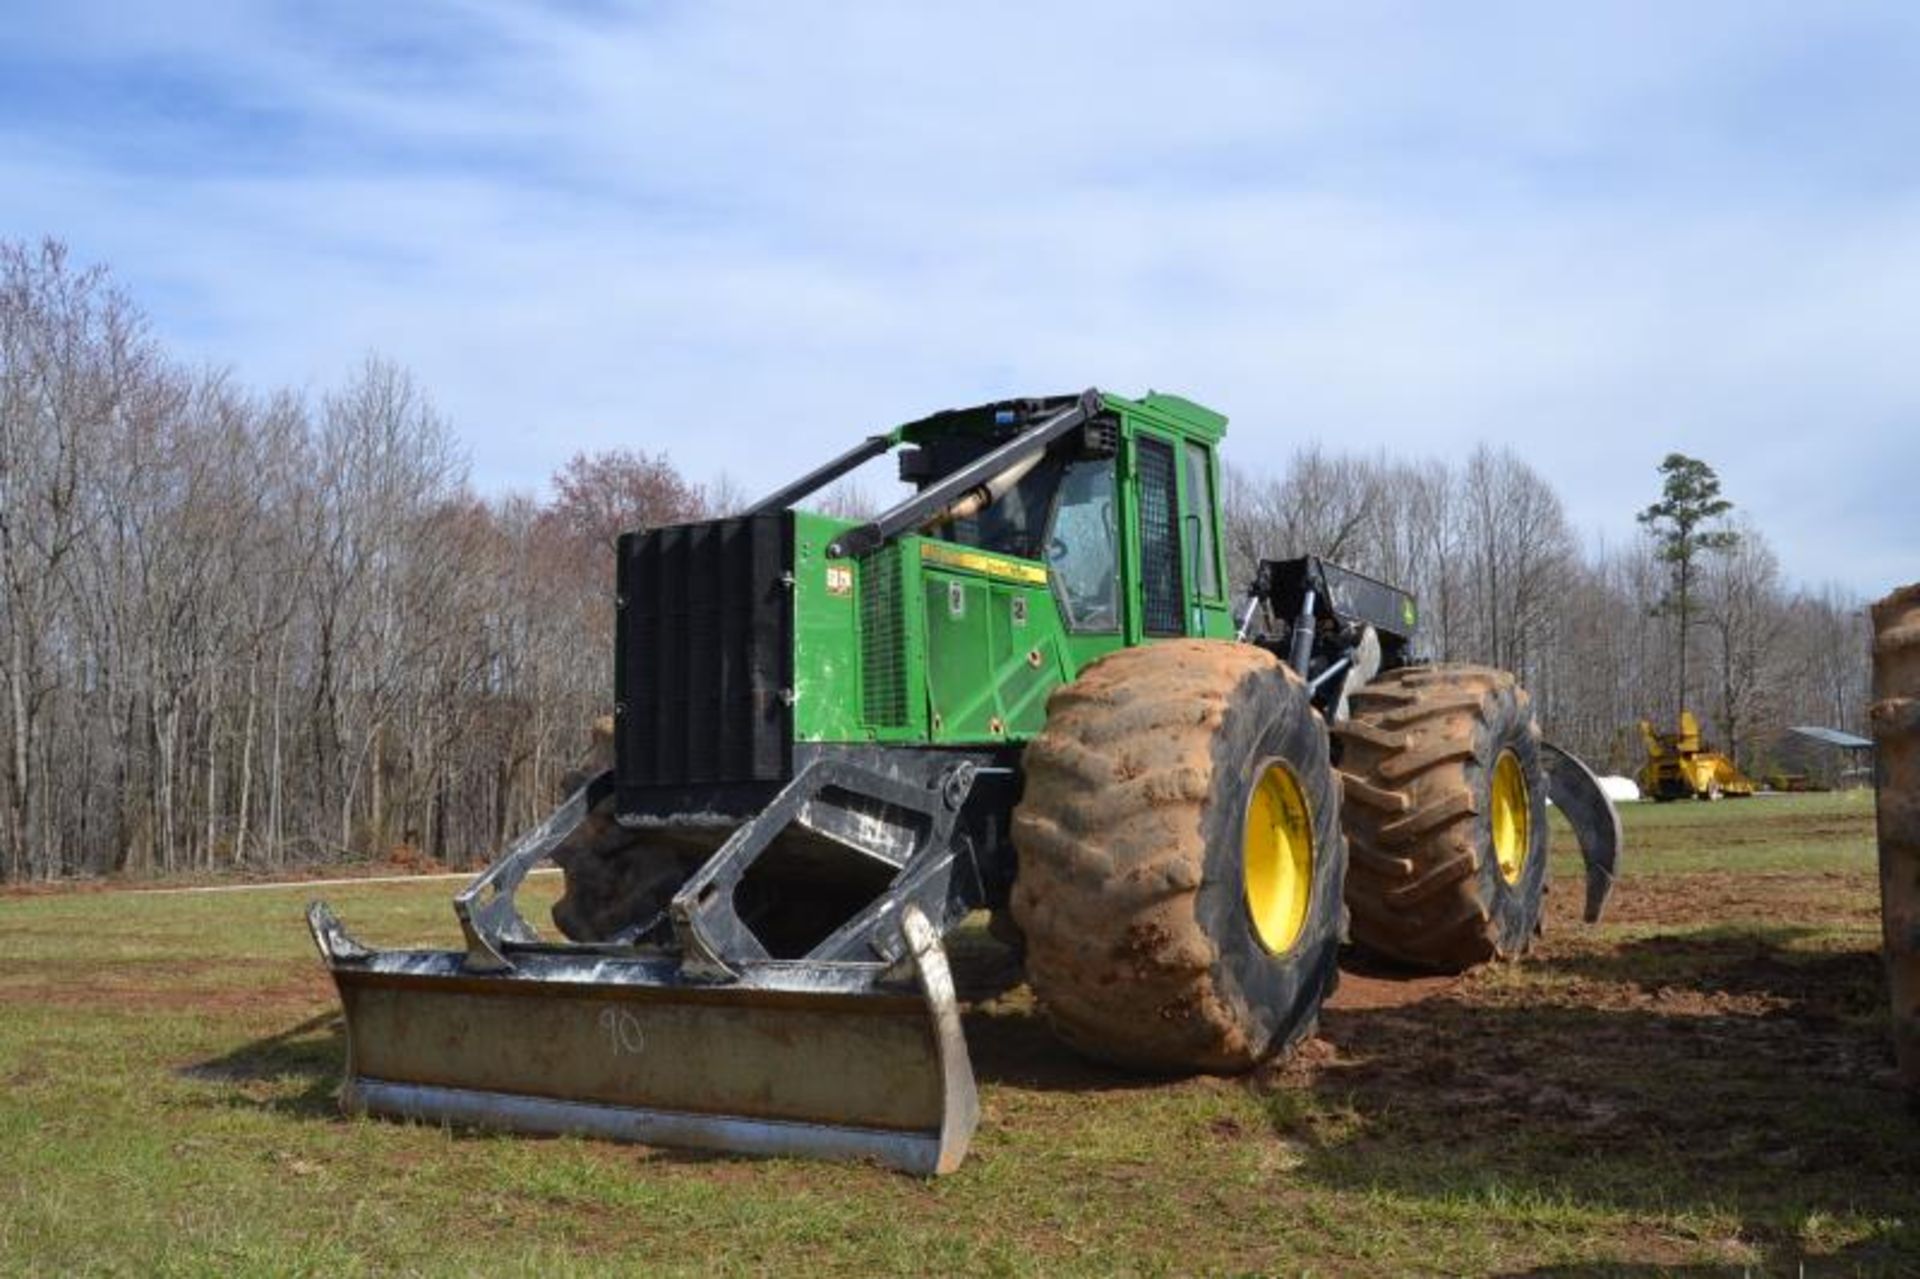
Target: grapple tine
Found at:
1596, 824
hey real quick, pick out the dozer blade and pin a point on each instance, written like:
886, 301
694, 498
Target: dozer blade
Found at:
1576, 792
823, 1060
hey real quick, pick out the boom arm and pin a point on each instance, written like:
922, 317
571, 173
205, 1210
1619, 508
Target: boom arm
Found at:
852, 460
930, 502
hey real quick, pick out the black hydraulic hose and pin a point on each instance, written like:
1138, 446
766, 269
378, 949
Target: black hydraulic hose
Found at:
1301, 651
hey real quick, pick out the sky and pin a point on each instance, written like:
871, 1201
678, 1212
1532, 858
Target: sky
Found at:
748, 234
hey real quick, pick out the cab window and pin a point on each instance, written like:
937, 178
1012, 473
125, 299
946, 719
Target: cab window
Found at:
1200, 520
1014, 524
1082, 548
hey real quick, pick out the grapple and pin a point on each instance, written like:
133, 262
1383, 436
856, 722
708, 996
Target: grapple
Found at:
1577, 793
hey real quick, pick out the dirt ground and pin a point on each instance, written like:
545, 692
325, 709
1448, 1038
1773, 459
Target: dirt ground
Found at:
1719, 1046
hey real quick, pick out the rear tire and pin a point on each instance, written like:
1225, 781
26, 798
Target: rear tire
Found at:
1445, 817
1167, 779
1896, 730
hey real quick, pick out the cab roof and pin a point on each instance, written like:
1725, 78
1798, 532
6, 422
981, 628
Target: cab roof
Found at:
1002, 419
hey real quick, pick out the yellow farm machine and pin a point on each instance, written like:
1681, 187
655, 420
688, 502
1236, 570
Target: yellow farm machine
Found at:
1682, 766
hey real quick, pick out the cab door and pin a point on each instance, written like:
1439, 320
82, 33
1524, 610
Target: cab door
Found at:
1179, 588
1161, 610
1202, 543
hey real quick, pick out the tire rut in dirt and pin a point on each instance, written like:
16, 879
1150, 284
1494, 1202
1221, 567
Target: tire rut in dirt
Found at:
1418, 758
1131, 892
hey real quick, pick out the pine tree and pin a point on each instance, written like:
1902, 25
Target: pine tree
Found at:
1680, 523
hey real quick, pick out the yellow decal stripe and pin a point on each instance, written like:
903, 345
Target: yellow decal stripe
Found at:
975, 562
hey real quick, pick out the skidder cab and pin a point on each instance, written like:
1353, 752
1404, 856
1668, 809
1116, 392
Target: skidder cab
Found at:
1024, 689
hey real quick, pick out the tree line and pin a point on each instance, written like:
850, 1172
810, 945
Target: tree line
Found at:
246, 629
240, 629
1695, 615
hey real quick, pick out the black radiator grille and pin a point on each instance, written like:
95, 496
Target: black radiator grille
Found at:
704, 653
883, 639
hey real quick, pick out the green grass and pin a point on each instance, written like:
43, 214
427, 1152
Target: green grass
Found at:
1699, 1086
1799, 833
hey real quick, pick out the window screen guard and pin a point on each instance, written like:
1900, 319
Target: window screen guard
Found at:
1159, 539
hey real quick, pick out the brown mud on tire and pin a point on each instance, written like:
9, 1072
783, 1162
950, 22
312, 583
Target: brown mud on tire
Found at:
1420, 756
1132, 889
1896, 731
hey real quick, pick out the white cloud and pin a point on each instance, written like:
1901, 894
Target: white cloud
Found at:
746, 233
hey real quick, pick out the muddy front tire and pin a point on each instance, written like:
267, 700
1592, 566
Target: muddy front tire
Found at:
1446, 817
1180, 859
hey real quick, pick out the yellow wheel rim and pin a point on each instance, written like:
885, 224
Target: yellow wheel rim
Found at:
1512, 817
1279, 858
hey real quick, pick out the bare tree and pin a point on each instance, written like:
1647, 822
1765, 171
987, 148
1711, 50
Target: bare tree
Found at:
1517, 538
1741, 607
599, 496
72, 351
723, 496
